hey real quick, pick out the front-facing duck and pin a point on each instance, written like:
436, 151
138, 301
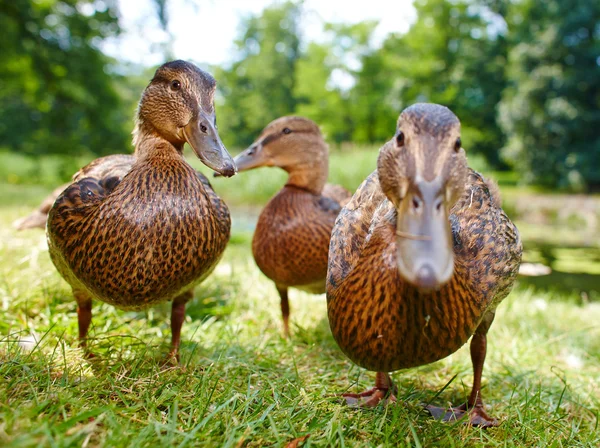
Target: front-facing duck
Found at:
147, 234
419, 259
291, 239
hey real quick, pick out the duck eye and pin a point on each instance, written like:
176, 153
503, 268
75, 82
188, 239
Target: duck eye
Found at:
175, 84
457, 144
287, 131
400, 139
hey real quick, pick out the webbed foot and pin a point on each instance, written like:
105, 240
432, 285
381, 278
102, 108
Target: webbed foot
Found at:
90, 356
370, 398
172, 358
383, 392
476, 415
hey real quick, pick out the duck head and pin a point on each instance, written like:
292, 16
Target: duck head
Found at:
178, 106
422, 170
294, 144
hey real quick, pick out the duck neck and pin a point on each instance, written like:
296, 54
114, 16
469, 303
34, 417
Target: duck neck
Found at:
148, 142
310, 174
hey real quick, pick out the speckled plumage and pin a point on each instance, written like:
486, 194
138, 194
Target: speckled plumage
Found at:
383, 322
291, 239
142, 241
137, 230
114, 167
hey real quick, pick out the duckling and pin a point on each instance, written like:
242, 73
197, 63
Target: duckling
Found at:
135, 231
419, 260
292, 234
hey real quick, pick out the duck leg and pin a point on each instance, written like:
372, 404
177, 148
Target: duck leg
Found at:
474, 407
84, 318
285, 309
177, 318
383, 392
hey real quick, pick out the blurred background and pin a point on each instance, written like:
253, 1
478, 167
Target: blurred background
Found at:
522, 75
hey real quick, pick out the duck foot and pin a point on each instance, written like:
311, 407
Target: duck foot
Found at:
171, 360
476, 415
370, 398
383, 392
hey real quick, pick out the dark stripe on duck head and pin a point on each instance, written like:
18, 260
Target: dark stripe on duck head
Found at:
273, 137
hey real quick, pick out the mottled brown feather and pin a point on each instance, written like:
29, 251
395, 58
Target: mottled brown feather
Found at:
291, 239
161, 230
137, 230
110, 167
381, 322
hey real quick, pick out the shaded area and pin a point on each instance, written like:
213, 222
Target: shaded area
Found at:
584, 287
574, 273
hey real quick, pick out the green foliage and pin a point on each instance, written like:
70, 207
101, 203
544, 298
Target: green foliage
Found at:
259, 85
438, 60
317, 98
454, 55
522, 76
57, 93
550, 110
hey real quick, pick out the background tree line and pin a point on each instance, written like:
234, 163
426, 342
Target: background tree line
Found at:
523, 76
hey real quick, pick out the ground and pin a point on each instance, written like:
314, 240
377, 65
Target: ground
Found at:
241, 384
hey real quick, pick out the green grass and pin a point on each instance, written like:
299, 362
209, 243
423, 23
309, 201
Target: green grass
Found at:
241, 384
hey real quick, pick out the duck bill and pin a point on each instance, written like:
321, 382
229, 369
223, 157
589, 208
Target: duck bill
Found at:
204, 139
250, 158
424, 239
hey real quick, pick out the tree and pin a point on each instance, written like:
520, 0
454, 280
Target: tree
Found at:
551, 109
372, 115
316, 95
57, 93
454, 55
259, 86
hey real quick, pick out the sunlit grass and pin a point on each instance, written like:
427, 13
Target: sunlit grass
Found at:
241, 384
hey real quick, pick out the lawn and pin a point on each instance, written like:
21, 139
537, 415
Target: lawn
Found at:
241, 384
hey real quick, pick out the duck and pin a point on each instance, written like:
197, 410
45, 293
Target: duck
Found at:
419, 260
115, 165
37, 218
137, 230
291, 240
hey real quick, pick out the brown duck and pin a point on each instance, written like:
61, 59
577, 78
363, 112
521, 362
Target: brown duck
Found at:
419, 259
291, 239
134, 231
114, 166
